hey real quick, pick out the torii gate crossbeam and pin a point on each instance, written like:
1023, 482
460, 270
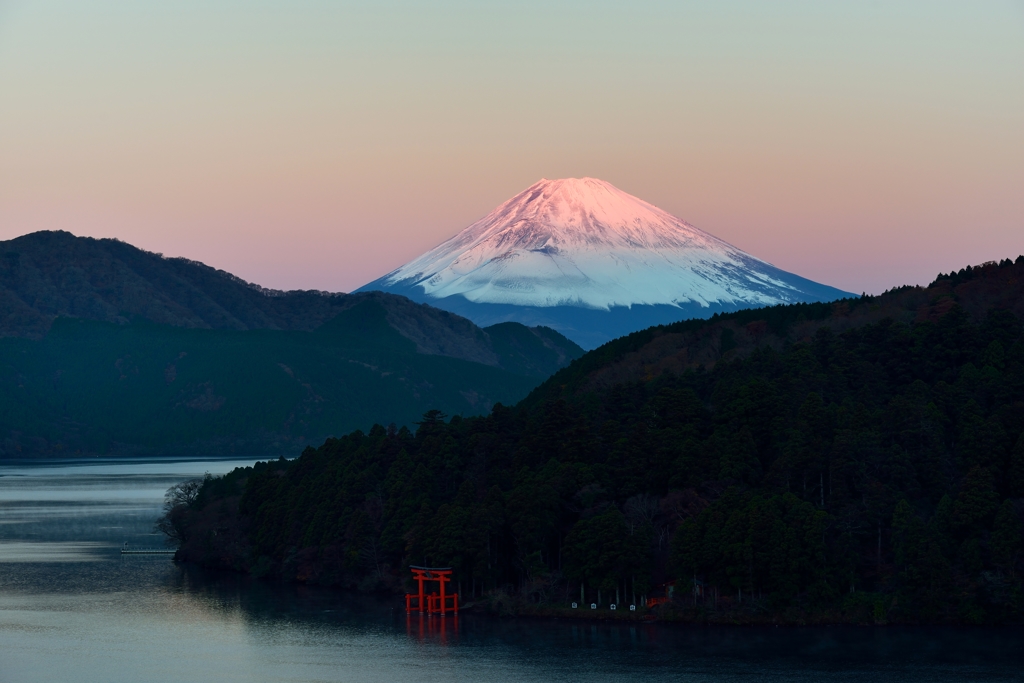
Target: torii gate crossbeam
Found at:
432, 603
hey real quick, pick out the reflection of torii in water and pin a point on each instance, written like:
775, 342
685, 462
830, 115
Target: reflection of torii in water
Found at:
433, 603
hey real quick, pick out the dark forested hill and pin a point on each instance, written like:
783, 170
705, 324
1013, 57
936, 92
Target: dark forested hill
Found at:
694, 344
106, 349
99, 388
46, 275
861, 461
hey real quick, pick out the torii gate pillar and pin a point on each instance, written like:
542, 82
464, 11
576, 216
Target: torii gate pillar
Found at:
432, 603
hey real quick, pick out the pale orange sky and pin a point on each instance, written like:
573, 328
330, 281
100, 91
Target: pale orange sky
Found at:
321, 145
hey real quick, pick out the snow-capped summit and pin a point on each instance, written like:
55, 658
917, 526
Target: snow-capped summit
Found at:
562, 252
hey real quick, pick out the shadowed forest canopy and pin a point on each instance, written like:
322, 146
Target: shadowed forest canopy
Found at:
92, 387
106, 349
862, 460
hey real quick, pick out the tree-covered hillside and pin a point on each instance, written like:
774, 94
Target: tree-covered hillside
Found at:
858, 461
100, 388
51, 274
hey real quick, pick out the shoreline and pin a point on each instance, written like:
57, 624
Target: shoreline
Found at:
729, 619
858, 614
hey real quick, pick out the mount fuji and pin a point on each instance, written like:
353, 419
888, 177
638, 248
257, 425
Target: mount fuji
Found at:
593, 262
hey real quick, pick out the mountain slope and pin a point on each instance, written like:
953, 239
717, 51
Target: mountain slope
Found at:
594, 262
376, 320
858, 462
44, 275
692, 345
109, 349
100, 388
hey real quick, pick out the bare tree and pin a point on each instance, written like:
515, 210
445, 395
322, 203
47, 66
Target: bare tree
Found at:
177, 501
640, 509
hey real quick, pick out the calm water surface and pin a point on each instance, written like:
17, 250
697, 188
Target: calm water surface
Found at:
72, 609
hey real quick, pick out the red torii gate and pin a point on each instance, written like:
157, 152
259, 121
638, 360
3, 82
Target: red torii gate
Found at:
432, 603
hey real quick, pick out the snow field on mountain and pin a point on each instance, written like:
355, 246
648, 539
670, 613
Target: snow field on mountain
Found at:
583, 242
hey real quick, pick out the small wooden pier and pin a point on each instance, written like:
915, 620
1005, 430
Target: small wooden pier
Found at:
127, 550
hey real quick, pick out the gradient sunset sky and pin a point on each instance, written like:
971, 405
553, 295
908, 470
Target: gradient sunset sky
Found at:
319, 145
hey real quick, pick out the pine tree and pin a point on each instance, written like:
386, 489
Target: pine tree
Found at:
1005, 541
1015, 471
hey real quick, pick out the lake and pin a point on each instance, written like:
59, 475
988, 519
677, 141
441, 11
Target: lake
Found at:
73, 609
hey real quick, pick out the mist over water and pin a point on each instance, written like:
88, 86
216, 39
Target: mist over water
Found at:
71, 608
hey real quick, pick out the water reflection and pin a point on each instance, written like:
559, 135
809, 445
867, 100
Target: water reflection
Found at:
423, 628
72, 608
14, 551
105, 502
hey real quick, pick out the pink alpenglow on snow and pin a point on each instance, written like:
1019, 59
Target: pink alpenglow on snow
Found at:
564, 251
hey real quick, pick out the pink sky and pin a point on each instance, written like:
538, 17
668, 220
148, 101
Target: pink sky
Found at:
861, 146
